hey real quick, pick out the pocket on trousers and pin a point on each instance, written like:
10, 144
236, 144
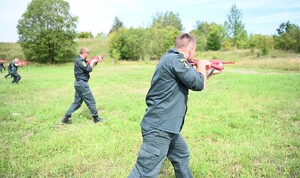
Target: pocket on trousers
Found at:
148, 157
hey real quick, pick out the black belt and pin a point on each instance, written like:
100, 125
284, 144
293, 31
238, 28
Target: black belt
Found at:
78, 80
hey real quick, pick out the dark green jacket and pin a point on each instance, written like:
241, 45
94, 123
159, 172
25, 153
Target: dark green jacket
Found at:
168, 94
82, 69
14, 67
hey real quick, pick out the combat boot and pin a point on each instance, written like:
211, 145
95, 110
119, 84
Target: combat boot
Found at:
98, 119
66, 120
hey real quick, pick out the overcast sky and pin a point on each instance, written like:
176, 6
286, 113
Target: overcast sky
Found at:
259, 16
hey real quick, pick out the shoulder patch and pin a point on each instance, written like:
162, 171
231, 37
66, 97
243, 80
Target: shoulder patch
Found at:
185, 63
84, 64
182, 60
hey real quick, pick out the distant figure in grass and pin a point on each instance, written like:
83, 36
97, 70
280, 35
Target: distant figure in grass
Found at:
2, 61
9, 70
167, 107
13, 71
82, 90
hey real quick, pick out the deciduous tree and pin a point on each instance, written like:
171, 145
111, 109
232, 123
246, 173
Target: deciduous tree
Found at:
235, 28
47, 31
166, 19
117, 24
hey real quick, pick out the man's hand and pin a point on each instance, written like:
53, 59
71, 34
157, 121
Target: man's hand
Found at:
202, 65
94, 60
213, 71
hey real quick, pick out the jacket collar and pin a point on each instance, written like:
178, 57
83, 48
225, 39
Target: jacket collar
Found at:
174, 50
81, 58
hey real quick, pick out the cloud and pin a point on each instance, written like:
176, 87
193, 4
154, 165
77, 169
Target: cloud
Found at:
263, 4
271, 18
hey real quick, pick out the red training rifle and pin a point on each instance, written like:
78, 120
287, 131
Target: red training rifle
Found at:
2, 61
23, 63
214, 65
97, 58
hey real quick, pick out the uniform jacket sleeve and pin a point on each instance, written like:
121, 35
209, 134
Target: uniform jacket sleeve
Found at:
84, 66
188, 75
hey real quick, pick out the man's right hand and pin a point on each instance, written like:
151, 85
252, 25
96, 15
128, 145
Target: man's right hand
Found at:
202, 65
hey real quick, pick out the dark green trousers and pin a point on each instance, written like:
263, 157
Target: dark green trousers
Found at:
83, 93
16, 77
157, 145
2, 67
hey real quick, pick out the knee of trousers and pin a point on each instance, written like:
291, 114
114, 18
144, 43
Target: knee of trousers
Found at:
78, 105
89, 97
185, 153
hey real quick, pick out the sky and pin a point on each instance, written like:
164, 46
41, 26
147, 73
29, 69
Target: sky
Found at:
259, 16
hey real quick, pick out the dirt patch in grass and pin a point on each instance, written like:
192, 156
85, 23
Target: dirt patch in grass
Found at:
26, 135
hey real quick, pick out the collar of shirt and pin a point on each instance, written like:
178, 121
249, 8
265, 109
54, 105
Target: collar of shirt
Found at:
174, 50
82, 58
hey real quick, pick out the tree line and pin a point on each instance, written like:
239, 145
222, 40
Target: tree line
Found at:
47, 33
210, 36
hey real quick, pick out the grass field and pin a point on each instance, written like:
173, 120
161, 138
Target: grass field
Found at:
245, 124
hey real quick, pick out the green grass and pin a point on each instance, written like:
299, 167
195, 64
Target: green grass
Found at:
245, 124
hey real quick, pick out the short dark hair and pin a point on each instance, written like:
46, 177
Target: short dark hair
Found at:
82, 50
184, 40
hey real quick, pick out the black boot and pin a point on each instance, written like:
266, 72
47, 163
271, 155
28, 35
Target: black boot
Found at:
66, 120
98, 119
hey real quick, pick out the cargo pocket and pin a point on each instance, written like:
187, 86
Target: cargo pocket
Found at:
149, 157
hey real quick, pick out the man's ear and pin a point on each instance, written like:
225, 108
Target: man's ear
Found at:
190, 52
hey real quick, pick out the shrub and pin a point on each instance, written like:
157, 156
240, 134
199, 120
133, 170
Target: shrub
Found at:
137, 43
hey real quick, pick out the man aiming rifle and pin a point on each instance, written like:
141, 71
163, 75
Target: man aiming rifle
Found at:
167, 99
13, 70
82, 68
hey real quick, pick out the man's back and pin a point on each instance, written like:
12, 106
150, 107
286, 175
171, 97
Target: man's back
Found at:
168, 94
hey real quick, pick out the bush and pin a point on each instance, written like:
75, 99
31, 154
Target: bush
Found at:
139, 43
161, 39
227, 44
288, 37
85, 35
265, 51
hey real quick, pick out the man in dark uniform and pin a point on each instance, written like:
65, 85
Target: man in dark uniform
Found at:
167, 106
9, 70
82, 89
14, 71
2, 65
